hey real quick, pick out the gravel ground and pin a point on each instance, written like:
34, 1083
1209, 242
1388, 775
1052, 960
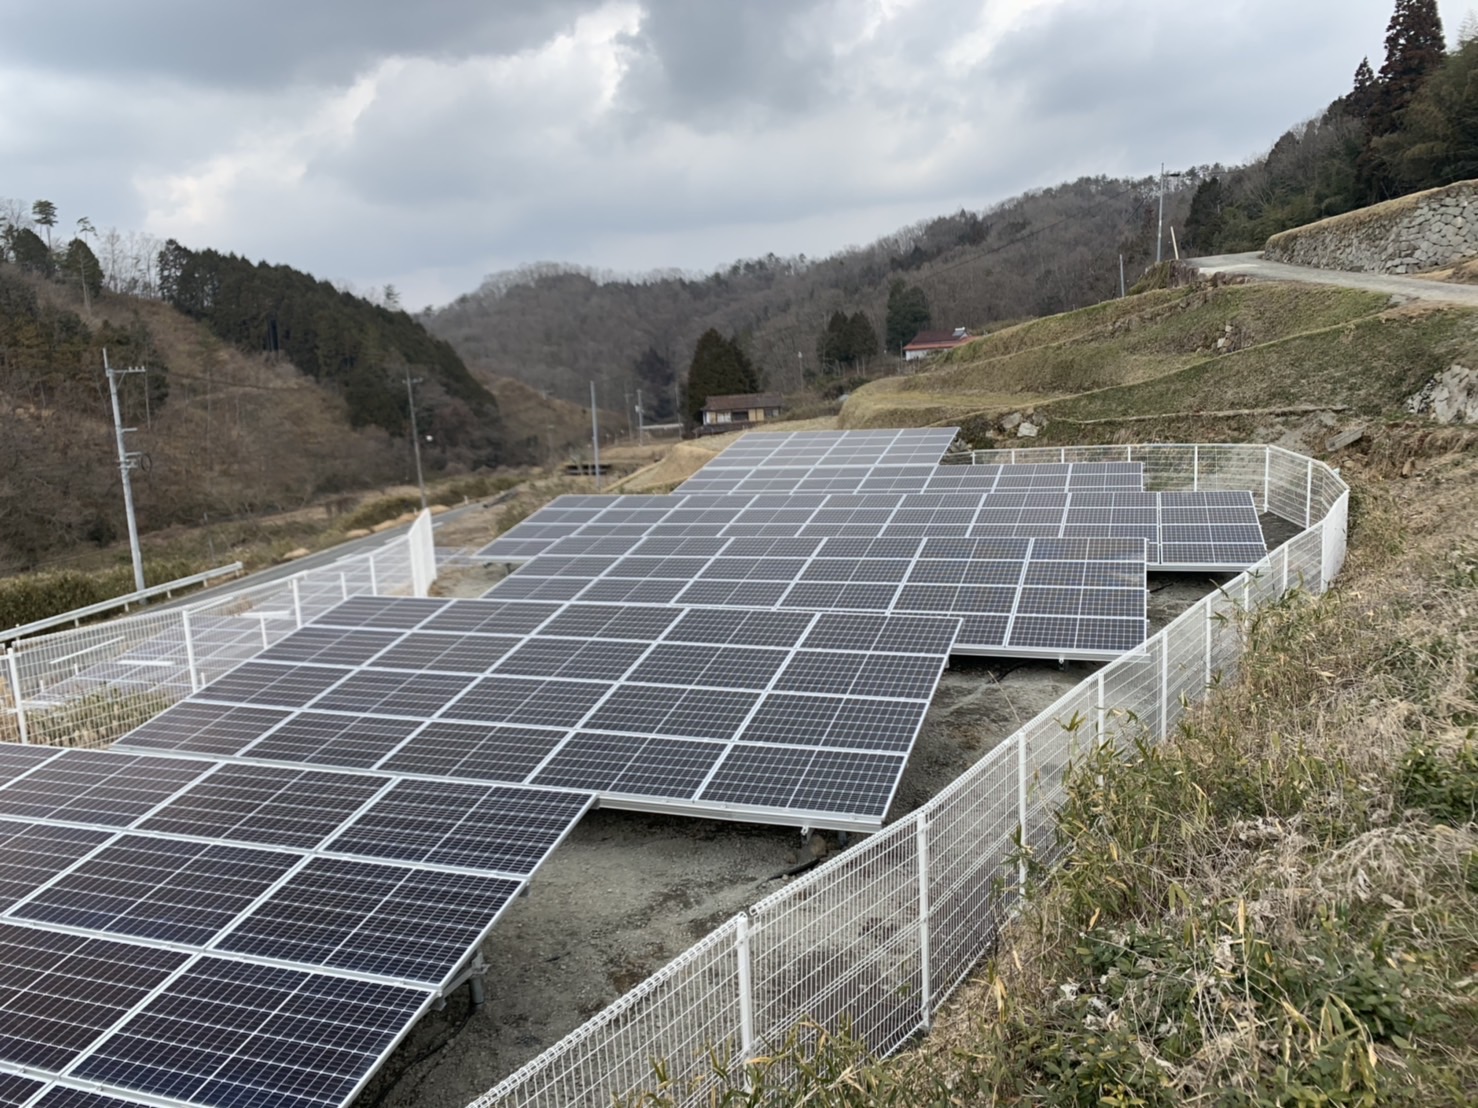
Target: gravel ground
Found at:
627, 891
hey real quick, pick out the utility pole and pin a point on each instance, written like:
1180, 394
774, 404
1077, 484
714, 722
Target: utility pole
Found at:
410, 396
127, 462
641, 430
595, 435
1160, 230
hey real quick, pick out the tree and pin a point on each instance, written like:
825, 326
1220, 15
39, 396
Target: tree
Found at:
44, 213
391, 296
1362, 96
1414, 48
908, 314
81, 265
862, 339
31, 253
1439, 142
655, 377
719, 368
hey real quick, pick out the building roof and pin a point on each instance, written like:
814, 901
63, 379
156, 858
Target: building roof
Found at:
742, 401
930, 339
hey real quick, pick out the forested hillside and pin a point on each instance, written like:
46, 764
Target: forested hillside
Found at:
1405, 127
1410, 126
559, 327
265, 390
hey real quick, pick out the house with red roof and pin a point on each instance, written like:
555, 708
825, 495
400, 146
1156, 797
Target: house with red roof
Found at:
927, 343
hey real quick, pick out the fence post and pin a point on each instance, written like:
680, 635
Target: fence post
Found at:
926, 969
1196, 467
1102, 711
15, 687
374, 580
190, 651
297, 601
746, 992
1309, 495
1164, 685
1267, 474
1021, 807
1207, 603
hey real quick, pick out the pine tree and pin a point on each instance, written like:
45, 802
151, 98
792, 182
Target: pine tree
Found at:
862, 339
1362, 97
908, 313
655, 377
44, 213
719, 368
1414, 48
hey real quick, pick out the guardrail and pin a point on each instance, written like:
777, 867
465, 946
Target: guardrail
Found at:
87, 686
77, 615
886, 931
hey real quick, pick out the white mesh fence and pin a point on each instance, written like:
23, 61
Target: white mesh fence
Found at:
879, 937
89, 685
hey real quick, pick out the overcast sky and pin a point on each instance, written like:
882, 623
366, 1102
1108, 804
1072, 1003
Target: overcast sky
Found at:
429, 144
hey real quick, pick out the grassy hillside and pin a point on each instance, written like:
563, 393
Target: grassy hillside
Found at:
1093, 375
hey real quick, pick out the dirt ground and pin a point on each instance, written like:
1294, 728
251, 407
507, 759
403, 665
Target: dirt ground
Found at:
627, 891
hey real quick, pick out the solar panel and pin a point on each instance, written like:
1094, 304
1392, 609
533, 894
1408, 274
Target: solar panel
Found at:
203, 728
16, 1090
391, 921
485, 827
97, 787
264, 804
33, 855
227, 1032
44, 970
153, 888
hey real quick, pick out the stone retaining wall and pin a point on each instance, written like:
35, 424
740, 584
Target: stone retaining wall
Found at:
1427, 230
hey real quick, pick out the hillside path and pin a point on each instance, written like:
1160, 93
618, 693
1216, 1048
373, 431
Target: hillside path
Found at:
1253, 265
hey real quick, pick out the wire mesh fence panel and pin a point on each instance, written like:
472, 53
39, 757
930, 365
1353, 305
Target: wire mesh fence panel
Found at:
1186, 661
1095, 453
1305, 555
1131, 694
1229, 466
1288, 485
684, 1020
86, 686
843, 947
1052, 743
1166, 466
971, 832
1226, 630
1328, 489
1335, 527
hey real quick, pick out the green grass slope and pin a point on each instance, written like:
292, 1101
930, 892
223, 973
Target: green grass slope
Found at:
1180, 353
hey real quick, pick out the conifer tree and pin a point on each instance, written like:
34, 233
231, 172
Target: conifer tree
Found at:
1414, 48
719, 368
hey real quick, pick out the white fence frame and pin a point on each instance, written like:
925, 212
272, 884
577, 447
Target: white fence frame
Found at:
88, 686
885, 932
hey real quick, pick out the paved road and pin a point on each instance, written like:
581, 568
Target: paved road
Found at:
1411, 288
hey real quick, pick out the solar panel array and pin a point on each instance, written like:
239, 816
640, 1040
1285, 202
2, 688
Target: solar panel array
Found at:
651, 707
253, 896
1202, 531
1038, 560
218, 933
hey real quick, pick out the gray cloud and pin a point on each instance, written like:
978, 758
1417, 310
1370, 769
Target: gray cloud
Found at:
374, 142
269, 42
